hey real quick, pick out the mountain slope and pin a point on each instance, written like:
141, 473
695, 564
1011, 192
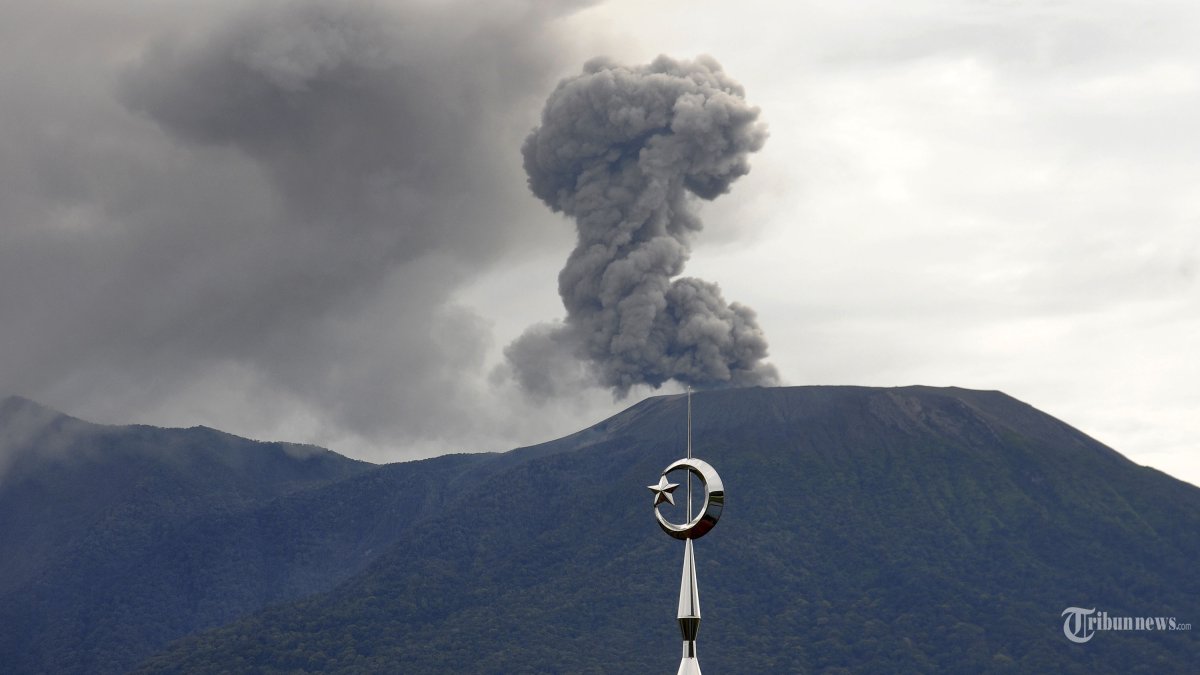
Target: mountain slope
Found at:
113, 539
864, 529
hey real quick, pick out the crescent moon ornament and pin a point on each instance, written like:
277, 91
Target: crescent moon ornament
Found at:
697, 526
710, 510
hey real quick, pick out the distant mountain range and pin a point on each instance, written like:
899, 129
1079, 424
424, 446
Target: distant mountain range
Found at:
865, 530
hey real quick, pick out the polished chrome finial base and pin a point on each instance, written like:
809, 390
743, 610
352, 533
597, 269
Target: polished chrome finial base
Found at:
688, 667
689, 612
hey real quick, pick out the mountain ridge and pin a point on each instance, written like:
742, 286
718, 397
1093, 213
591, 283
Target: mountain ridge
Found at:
910, 528
865, 529
80, 502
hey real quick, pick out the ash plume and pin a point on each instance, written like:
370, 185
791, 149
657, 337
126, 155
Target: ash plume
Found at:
257, 215
623, 151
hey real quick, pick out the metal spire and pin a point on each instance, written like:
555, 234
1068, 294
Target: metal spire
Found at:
689, 612
689, 452
689, 591
695, 527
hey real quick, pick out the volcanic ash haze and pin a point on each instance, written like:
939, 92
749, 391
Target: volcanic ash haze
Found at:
623, 151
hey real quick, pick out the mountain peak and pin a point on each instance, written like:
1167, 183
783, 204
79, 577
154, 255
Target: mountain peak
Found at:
11, 405
867, 529
22, 418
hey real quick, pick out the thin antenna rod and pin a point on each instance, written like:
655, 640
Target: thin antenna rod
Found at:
689, 451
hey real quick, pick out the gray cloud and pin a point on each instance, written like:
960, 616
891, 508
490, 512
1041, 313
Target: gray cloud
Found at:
622, 150
257, 219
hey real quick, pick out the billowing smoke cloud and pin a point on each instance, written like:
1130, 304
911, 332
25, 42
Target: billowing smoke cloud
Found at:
256, 216
622, 150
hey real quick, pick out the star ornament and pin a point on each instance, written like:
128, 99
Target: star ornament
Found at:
662, 491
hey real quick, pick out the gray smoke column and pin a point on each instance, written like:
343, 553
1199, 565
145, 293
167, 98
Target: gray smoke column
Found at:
624, 151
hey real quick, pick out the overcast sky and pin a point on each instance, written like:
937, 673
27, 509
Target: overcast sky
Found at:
309, 221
